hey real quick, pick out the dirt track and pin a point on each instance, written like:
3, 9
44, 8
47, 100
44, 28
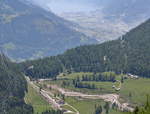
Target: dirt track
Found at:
112, 98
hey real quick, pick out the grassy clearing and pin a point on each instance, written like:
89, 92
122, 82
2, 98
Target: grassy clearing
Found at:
135, 90
86, 106
102, 87
83, 106
33, 98
67, 107
75, 75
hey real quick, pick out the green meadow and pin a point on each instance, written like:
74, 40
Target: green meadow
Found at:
39, 103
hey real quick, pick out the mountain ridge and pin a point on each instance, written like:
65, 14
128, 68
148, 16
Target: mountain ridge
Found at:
35, 32
110, 19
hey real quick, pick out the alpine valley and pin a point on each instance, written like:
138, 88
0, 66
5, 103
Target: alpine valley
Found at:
93, 59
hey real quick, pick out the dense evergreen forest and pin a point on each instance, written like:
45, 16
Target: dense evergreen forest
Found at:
128, 54
12, 89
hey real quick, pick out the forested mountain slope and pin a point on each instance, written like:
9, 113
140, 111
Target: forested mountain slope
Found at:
12, 89
129, 54
28, 31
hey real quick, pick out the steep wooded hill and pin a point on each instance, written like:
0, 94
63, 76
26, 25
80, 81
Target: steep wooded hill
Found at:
12, 89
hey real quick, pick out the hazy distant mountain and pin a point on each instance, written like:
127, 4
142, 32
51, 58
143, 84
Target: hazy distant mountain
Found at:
101, 19
128, 10
94, 24
28, 31
132, 8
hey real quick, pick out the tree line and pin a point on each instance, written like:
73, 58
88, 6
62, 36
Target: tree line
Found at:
106, 76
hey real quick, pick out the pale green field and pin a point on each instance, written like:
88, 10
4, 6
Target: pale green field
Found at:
138, 89
75, 75
85, 106
67, 107
33, 98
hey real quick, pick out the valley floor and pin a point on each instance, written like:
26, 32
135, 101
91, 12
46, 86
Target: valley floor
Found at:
53, 94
